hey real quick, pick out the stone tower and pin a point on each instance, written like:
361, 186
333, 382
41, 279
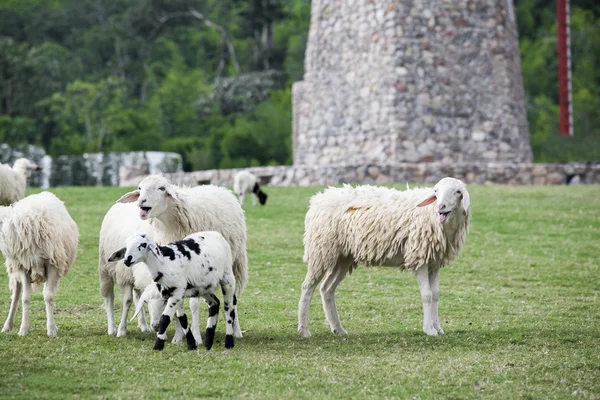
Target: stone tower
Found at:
391, 81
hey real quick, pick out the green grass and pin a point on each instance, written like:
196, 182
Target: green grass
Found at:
519, 306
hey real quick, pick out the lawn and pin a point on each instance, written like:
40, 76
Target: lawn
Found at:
519, 306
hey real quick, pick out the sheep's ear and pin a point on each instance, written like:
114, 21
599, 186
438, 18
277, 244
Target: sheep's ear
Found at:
129, 197
141, 302
172, 194
466, 201
427, 201
117, 255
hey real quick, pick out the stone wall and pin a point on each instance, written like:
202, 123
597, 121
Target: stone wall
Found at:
478, 173
410, 81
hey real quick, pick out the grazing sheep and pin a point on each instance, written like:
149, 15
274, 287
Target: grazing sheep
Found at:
380, 226
13, 181
192, 267
39, 240
175, 212
246, 182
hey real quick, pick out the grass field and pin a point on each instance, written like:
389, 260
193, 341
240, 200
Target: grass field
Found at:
519, 306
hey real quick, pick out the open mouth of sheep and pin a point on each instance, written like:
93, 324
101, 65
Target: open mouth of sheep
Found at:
144, 211
443, 216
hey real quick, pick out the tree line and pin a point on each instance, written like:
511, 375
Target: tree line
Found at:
211, 79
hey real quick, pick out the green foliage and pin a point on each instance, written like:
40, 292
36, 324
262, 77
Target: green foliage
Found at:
519, 307
215, 75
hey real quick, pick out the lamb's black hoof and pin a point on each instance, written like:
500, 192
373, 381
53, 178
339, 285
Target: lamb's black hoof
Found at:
191, 341
229, 341
159, 344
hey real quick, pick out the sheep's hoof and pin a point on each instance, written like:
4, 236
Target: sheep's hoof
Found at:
23, 332
7, 328
121, 333
52, 331
145, 328
439, 330
430, 331
304, 333
339, 331
177, 339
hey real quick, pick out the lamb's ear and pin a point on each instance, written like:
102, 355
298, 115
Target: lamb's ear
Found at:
154, 250
129, 197
466, 201
427, 201
117, 255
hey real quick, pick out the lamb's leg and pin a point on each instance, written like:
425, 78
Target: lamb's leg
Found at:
434, 284
308, 288
49, 289
328, 295
25, 303
142, 323
182, 318
173, 304
127, 291
229, 306
211, 323
237, 331
14, 304
422, 275
195, 308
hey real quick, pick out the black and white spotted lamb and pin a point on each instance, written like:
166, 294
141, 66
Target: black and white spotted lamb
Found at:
192, 267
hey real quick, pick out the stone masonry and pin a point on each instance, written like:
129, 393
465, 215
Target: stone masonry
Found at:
411, 81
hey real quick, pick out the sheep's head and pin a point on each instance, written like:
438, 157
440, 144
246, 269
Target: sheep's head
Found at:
153, 195
451, 197
156, 305
136, 250
25, 166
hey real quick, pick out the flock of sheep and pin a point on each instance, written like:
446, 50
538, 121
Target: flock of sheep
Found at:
162, 243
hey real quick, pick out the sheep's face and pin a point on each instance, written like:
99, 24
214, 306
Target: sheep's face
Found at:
26, 166
156, 306
451, 198
153, 195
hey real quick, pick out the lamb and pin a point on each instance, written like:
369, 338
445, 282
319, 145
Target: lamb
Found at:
13, 181
175, 212
39, 240
120, 222
246, 182
380, 226
192, 267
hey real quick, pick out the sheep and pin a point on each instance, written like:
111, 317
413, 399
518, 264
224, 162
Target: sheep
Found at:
13, 181
175, 212
246, 182
120, 222
191, 267
39, 241
380, 226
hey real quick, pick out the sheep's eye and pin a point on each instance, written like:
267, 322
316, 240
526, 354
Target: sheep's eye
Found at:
458, 192
162, 188
139, 188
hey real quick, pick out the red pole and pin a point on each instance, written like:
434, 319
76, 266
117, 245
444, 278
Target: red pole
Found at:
564, 68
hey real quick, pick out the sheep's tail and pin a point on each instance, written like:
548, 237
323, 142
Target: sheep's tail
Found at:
240, 272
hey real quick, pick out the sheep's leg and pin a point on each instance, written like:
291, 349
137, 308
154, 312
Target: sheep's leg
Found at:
242, 197
308, 288
25, 303
434, 284
179, 334
328, 295
195, 308
49, 289
254, 197
229, 306
173, 304
182, 318
127, 291
142, 322
213, 315
107, 290
14, 304
422, 275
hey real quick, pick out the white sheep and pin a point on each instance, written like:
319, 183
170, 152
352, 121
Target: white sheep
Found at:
192, 267
39, 240
246, 182
13, 181
380, 226
175, 212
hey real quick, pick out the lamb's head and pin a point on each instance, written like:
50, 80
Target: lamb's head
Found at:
25, 167
452, 199
154, 195
136, 250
